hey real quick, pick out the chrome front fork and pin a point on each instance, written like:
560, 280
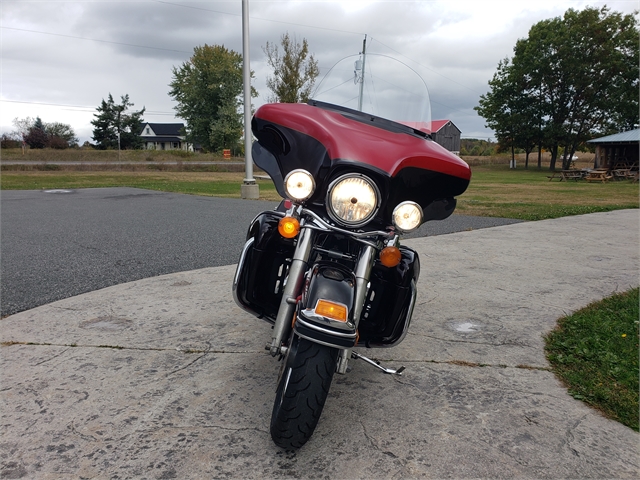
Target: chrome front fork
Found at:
295, 277
363, 272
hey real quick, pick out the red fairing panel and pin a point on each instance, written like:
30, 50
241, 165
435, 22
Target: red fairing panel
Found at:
348, 139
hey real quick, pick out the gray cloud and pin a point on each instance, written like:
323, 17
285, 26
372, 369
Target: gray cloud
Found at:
455, 46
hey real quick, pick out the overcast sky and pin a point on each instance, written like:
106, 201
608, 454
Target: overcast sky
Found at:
61, 58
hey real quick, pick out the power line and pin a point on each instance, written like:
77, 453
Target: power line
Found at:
94, 40
258, 18
79, 107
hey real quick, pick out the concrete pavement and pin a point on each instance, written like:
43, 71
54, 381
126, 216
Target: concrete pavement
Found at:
166, 378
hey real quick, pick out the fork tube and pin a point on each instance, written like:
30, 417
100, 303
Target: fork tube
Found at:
363, 273
299, 266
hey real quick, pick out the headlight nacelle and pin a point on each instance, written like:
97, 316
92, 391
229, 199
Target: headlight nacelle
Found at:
353, 200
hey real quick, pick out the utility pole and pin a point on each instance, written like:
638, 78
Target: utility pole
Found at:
249, 188
364, 59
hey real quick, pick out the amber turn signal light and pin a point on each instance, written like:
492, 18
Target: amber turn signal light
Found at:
335, 311
288, 227
390, 256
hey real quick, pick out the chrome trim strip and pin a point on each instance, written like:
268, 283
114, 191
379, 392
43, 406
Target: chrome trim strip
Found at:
326, 344
324, 330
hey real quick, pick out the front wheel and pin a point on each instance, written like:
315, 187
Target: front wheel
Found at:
302, 390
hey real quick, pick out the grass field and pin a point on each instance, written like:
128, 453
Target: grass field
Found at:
495, 190
595, 353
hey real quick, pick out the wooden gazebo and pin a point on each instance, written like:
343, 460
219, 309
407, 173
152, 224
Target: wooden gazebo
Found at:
617, 151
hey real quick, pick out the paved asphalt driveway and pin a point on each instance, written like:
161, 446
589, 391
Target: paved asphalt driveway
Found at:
57, 244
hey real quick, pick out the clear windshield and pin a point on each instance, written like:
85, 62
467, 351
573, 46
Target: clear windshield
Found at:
379, 85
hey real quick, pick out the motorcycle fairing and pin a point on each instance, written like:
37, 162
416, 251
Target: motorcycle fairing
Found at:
389, 305
324, 141
259, 279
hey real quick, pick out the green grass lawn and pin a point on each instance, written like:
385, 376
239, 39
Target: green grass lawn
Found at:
529, 195
595, 353
494, 190
220, 184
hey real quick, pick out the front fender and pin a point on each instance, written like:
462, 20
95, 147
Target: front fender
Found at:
334, 283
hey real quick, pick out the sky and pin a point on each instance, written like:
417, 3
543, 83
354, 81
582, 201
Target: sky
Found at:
59, 59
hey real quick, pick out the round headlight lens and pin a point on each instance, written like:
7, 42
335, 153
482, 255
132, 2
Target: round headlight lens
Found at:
299, 185
407, 216
353, 200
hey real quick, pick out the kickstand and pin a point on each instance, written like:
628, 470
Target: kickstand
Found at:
390, 371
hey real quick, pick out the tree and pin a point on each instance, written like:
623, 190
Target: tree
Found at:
571, 79
293, 73
37, 137
208, 90
22, 127
60, 135
113, 120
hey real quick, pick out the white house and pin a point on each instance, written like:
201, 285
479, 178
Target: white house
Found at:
164, 136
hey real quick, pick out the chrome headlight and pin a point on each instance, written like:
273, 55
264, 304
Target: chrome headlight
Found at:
407, 216
299, 185
352, 200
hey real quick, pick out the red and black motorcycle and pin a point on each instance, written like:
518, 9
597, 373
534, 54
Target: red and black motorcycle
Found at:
326, 268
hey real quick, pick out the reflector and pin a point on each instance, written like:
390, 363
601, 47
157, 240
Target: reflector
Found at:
335, 311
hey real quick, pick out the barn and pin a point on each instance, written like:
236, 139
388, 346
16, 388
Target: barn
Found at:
445, 133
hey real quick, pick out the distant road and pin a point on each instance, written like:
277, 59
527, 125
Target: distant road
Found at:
61, 243
116, 162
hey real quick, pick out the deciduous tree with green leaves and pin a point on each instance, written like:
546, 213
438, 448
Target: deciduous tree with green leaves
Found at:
208, 89
60, 135
571, 79
294, 70
114, 119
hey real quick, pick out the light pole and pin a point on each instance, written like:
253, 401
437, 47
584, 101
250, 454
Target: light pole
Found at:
249, 188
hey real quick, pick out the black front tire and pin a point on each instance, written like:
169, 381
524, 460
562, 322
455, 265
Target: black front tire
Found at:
302, 391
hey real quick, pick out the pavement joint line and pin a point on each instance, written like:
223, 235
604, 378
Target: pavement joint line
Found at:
118, 347
502, 344
459, 363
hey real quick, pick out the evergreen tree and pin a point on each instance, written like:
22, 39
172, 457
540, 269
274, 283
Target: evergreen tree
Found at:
37, 137
113, 120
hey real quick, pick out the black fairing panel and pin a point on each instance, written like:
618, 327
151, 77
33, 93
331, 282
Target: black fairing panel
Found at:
261, 280
384, 319
280, 150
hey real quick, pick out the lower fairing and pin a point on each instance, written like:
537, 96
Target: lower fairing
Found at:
262, 270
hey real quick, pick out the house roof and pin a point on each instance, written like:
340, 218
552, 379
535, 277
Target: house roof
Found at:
436, 125
163, 128
623, 137
160, 138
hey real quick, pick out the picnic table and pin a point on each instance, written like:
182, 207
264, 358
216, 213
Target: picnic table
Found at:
624, 174
567, 175
598, 175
